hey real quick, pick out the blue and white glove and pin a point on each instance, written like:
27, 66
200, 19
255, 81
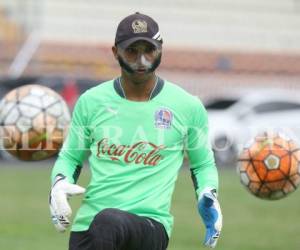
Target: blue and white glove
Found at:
209, 209
58, 201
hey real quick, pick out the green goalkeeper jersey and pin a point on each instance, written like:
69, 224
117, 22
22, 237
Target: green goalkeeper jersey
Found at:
135, 150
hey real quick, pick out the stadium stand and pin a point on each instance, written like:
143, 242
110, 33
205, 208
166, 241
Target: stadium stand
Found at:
228, 42
11, 36
270, 25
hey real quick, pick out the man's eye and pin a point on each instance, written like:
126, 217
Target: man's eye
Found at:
131, 50
149, 49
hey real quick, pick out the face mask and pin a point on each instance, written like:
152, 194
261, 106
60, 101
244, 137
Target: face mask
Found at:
133, 67
139, 60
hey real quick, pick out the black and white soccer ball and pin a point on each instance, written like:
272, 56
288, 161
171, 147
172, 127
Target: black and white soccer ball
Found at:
34, 121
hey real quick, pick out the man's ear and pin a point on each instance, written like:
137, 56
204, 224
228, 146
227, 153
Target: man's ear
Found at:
115, 51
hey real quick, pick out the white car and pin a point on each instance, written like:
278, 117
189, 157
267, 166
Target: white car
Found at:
232, 127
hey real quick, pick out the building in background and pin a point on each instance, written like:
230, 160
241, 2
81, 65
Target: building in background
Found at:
212, 48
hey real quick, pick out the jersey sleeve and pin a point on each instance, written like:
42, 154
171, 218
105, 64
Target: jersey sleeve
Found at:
76, 145
202, 164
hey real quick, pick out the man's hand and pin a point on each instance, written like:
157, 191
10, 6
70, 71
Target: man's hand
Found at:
59, 207
210, 212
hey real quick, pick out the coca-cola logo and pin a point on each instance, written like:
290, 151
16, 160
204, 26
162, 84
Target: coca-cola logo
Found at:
143, 152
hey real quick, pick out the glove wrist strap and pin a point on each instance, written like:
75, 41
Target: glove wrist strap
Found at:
58, 178
210, 190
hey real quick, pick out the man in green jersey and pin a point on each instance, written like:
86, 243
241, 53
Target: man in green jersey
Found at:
136, 129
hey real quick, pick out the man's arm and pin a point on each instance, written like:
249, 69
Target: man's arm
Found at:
68, 166
204, 174
202, 164
75, 147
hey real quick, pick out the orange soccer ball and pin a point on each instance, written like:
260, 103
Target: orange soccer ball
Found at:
269, 166
33, 121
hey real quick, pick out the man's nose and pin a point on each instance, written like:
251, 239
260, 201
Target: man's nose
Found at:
142, 60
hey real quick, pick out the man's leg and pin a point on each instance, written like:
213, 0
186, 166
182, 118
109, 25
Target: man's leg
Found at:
114, 229
80, 241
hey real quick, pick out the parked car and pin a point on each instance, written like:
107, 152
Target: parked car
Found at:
220, 103
271, 110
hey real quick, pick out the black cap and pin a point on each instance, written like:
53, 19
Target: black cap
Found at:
137, 27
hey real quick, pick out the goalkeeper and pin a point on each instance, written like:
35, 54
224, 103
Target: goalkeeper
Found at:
136, 129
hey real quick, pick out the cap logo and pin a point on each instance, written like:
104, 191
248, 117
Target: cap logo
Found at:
139, 26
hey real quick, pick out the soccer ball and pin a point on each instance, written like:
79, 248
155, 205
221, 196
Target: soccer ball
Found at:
269, 166
33, 121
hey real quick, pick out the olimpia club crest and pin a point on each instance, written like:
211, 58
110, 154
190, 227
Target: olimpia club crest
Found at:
163, 118
139, 26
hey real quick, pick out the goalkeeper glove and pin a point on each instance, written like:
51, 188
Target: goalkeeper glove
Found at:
58, 200
209, 209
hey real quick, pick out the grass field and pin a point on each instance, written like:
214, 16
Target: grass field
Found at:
249, 223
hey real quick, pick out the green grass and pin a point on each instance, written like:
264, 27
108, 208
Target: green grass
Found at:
249, 223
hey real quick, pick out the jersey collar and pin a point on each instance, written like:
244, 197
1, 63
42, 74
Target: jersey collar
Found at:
159, 86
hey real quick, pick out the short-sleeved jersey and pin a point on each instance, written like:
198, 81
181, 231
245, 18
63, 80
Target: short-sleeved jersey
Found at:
135, 151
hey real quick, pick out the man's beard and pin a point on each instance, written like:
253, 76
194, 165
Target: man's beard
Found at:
126, 66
